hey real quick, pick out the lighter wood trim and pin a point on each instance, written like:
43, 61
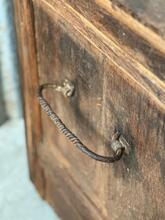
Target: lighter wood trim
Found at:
157, 41
27, 55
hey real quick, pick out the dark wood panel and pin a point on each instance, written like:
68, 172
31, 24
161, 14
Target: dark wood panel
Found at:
62, 191
67, 59
106, 99
132, 38
113, 91
81, 29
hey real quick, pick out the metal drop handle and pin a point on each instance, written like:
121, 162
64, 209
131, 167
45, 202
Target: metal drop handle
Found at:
118, 144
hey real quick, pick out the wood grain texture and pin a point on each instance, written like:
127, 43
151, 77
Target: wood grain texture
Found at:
105, 100
149, 12
132, 36
27, 55
113, 92
137, 75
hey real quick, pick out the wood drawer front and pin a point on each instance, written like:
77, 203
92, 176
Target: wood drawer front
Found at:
137, 28
112, 93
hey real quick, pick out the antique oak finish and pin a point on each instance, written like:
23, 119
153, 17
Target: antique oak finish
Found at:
114, 52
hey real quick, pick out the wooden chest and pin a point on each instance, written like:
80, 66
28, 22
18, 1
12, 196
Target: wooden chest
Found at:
112, 54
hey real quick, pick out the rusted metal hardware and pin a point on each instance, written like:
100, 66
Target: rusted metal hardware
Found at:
118, 145
67, 88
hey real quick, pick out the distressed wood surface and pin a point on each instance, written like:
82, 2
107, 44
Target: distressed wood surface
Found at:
149, 12
137, 40
114, 91
27, 56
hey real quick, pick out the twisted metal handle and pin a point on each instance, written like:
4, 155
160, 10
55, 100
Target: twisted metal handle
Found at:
118, 142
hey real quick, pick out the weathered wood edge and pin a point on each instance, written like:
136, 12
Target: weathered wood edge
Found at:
135, 73
23, 12
148, 34
112, 24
